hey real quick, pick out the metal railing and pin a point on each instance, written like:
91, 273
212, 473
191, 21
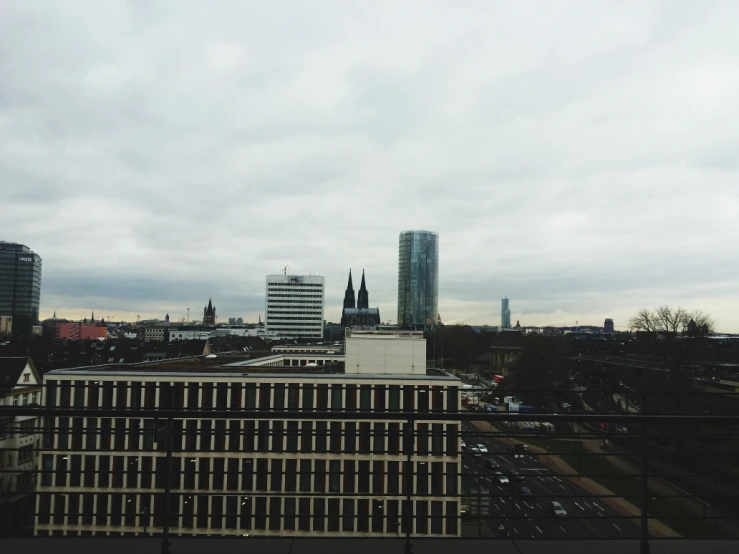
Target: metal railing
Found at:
619, 474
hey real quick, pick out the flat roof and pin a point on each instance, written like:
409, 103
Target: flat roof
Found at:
281, 372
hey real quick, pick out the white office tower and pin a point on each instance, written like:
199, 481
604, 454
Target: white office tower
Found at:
294, 306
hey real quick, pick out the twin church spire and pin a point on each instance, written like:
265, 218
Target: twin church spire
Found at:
362, 296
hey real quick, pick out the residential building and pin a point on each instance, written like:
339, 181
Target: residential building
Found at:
155, 333
20, 286
505, 313
418, 280
209, 314
297, 474
20, 436
79, 331
358, 314
608, 326
294, 306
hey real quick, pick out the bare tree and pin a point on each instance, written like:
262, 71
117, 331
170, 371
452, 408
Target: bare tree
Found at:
670, 322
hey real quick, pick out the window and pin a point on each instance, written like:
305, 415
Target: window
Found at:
365, 397
451, 479
305, 474
393, 477
276, 476
279, 397
292, 436
27, 427
379, 439
437, 518
321, 432
337, 395
307, 397
334, 477
378, 478
394, 398
437, 478
348, 517
289, 519
363, 475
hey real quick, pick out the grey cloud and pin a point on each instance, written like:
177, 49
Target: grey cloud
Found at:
578, 159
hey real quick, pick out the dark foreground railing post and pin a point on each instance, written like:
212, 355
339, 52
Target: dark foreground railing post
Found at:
166, 434
410, 448
644, 546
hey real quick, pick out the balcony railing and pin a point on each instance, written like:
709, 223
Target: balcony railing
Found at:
623, 474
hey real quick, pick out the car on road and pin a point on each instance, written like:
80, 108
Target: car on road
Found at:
557, 509
474, 450
501, 478
492, 464
525, 492
464, 444
482, 448
515, 476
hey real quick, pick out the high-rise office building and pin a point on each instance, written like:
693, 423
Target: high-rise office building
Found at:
294, 306
20, 286
608, 325
418, 279
505, 314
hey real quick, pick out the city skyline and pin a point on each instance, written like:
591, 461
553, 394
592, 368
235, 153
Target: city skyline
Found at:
148, 159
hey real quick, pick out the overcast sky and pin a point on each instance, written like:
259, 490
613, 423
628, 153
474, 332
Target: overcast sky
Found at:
580, 157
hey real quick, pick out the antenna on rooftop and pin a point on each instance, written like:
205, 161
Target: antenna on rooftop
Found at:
284, 270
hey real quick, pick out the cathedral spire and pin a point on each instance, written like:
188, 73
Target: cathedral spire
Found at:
349, 294
363, 295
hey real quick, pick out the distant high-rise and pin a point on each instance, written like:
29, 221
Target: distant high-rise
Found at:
608, 325
418, 279
294, 306
505, 314
20, 286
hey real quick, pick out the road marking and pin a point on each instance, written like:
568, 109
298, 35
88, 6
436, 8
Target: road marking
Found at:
616, 526
517, 506
578, 505
563, 529
542, 478
515, 531
496, 506
499, 487
584, 502
540, 531
538, 505
528, 506
597, 506
557, 479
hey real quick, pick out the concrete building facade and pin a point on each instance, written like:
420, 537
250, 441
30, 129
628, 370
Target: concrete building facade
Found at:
266, 476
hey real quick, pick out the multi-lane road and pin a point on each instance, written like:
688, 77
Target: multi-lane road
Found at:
532, 517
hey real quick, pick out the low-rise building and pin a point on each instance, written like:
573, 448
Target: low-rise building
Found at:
80, 331
155, 333
310, 452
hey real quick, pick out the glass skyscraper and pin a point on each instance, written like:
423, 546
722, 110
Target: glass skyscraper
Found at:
505, 313
418, 280
20, 286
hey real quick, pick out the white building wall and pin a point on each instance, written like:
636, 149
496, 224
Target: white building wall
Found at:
294, 306
385, 354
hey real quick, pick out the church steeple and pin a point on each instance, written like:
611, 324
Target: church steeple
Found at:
92, 320
363, 295
349, 294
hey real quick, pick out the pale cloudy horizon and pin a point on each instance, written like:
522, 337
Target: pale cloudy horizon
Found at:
580, 157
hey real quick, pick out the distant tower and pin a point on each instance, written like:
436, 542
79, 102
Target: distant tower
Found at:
92, 319
349, 294
505, 314
608, 325
166, 318
209, 314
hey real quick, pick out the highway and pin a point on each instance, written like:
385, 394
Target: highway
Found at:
586, 518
